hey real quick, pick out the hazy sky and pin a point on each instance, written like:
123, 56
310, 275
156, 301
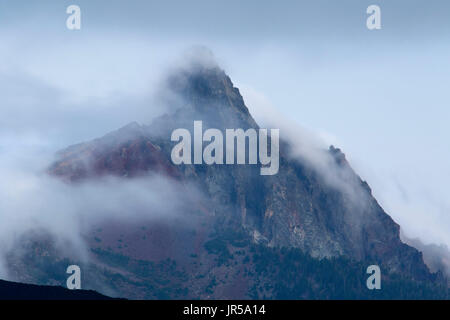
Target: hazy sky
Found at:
382, 96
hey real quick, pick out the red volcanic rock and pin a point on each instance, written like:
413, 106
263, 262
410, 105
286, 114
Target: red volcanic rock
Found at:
124, 153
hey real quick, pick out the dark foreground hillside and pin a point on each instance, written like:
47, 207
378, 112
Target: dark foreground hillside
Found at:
21, 291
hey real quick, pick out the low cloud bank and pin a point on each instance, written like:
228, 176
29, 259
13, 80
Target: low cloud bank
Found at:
421, 213
31, 200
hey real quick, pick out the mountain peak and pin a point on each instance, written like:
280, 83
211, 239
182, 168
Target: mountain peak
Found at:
295, 208
200, 57
338, 155
206, 92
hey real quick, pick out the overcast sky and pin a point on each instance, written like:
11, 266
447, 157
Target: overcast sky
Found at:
382, 95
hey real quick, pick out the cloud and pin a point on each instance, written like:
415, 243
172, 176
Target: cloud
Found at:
49, 104
421, 211
306, 145
31, 200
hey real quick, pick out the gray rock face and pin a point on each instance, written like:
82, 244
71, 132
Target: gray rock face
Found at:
297, 207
